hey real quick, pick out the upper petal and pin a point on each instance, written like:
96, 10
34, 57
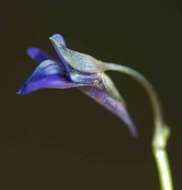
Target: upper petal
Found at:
78, 61
59, 38
38, 55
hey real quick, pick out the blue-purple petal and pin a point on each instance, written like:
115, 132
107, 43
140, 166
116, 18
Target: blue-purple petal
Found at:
50, 82
48, 74
37, 54
46, 68
113, 105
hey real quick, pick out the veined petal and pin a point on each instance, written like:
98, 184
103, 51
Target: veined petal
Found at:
111, 104
46, 68
50, 82
78, 61
100, 80
48, 74
60, 40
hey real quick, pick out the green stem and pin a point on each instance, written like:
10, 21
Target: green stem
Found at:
161, 132
162, 162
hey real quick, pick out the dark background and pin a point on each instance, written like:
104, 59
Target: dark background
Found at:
56, 139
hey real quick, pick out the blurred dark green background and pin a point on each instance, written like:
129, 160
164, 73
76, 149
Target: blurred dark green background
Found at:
56, 139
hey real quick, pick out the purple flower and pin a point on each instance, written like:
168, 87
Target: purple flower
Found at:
76, 70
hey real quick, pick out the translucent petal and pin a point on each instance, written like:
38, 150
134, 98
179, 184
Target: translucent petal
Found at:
59, 38
78, 77
111, 88
78, 61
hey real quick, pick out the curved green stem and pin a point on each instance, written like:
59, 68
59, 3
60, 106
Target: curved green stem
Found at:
161, 132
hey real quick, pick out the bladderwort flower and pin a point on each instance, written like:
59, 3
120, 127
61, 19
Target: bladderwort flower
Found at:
84, 72
76, 70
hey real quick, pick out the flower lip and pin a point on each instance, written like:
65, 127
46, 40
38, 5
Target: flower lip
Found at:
45, 70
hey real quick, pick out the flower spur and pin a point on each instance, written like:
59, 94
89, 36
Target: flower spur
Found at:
76, 70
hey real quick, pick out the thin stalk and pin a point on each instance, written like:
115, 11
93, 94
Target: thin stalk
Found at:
161, 132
